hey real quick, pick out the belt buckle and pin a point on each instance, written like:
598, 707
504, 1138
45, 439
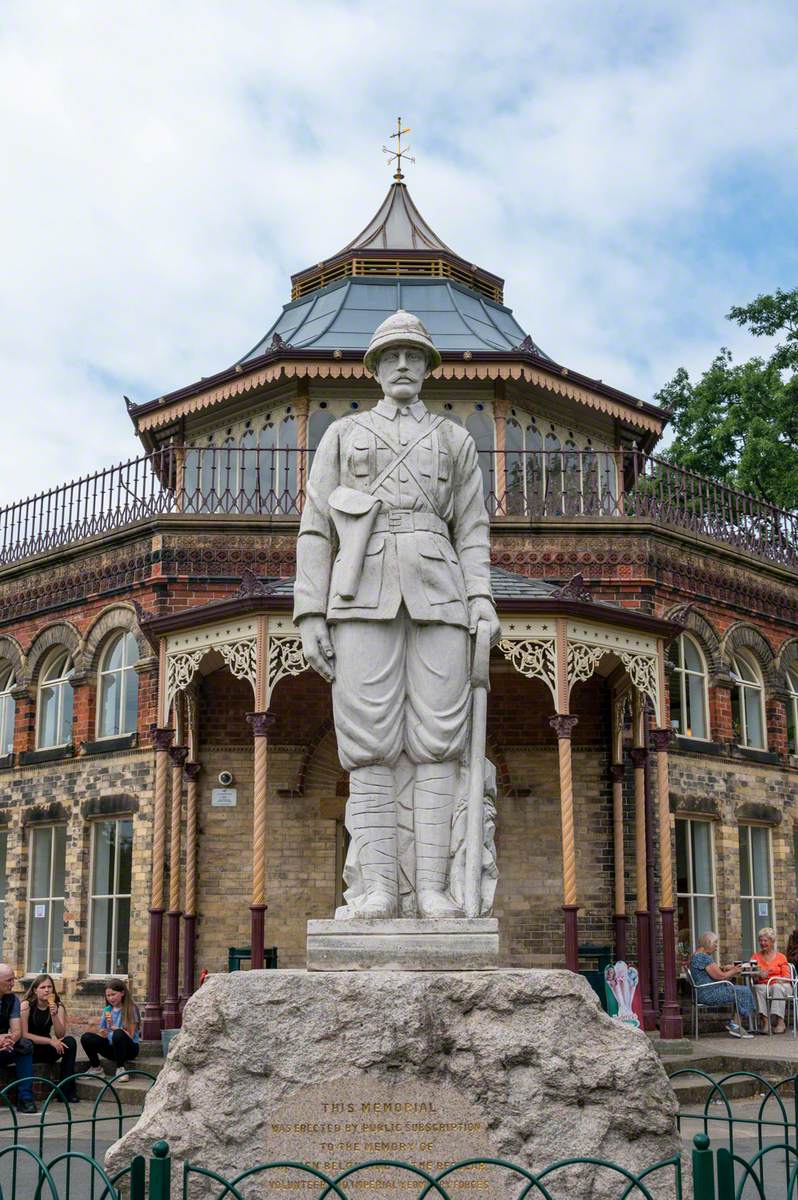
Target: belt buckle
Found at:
400, 521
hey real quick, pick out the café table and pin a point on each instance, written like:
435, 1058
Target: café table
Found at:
749, 972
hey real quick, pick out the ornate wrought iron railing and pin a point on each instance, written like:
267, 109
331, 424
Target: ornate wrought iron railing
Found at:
533, 485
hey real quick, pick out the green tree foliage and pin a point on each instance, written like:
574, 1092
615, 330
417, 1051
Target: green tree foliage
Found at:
739, 422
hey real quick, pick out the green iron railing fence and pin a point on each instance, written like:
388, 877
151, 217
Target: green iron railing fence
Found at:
775, 1116
717, 1172
70, 1174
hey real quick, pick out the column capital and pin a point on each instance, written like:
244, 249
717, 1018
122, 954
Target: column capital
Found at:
178, 755
191, 770
162, 738
261, 722
617, 771
661, 739
563, 724
639, 756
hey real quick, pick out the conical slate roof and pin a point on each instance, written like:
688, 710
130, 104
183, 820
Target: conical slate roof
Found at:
397, 225
396, 261
344, 315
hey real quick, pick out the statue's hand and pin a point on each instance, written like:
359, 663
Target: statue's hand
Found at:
481, 609
317, 647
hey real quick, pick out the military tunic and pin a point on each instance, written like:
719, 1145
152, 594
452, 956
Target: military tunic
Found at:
401, 641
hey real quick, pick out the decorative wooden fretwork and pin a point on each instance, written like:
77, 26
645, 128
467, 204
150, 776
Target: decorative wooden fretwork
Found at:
534, 657
285, 657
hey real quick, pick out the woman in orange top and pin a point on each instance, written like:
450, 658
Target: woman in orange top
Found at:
772, 965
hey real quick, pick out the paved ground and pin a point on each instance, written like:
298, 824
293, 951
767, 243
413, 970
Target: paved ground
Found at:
51, 1141
746, 1144
780, 1046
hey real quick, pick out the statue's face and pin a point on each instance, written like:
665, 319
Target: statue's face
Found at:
401, 370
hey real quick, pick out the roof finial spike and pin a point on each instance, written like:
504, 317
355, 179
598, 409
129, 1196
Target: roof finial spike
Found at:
398, 154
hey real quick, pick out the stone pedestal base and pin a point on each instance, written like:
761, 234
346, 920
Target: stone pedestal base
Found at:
403, 945
429, 1068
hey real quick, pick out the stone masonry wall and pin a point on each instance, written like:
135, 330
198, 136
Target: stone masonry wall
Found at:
60, 792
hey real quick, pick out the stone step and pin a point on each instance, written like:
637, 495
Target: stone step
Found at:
694, 1091
772, 1069
131, 1095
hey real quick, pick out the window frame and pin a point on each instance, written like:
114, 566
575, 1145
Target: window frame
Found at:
114, 896
682, 672
61, 682
102, 675
48, 900
791, 676
692, 895
7, 703
754, 896
741, 685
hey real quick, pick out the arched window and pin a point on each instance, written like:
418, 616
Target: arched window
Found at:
480, 425
748, 709
249, 472
319, 422
191, 500
573, 479
208, 494
554, 480
7, 708
55, 701
118, 692
792, 709
514, 467
288, 472
227, 464
688, 688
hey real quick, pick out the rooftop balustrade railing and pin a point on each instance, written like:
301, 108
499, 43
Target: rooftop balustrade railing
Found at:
532, 485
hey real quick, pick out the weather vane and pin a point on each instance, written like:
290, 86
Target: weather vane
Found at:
398, 154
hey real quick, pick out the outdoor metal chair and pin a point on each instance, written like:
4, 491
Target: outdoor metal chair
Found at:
792, 999
698, 1003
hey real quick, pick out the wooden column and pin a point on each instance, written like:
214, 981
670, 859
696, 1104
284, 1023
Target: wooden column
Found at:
500, 457
191, 772
651, 891
670, 1022
619, 917
171, 1008
302, 407
151, 1020
563, 725
639, 755
261, 722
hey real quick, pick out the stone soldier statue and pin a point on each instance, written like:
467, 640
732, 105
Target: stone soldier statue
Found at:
392, 576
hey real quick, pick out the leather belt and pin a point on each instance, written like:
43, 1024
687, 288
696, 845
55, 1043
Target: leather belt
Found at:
404, 520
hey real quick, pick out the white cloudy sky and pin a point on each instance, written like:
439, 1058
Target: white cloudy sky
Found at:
629, 168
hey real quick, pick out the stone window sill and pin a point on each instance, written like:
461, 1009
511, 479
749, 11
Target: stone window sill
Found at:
699, 745
94, 985
760, 756
125, 741
53, 754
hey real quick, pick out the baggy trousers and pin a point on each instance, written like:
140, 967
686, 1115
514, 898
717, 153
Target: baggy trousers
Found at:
401, 688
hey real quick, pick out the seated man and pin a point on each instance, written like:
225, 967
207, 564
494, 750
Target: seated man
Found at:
15, 1051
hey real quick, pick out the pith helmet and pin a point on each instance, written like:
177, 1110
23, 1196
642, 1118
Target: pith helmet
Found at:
400, 329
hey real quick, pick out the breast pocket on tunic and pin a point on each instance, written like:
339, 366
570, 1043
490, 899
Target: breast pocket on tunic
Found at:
361, 457
434, 461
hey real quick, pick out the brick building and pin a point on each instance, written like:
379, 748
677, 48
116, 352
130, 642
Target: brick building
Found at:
169, 783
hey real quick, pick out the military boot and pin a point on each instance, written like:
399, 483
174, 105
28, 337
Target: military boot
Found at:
371, 821
433, 806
